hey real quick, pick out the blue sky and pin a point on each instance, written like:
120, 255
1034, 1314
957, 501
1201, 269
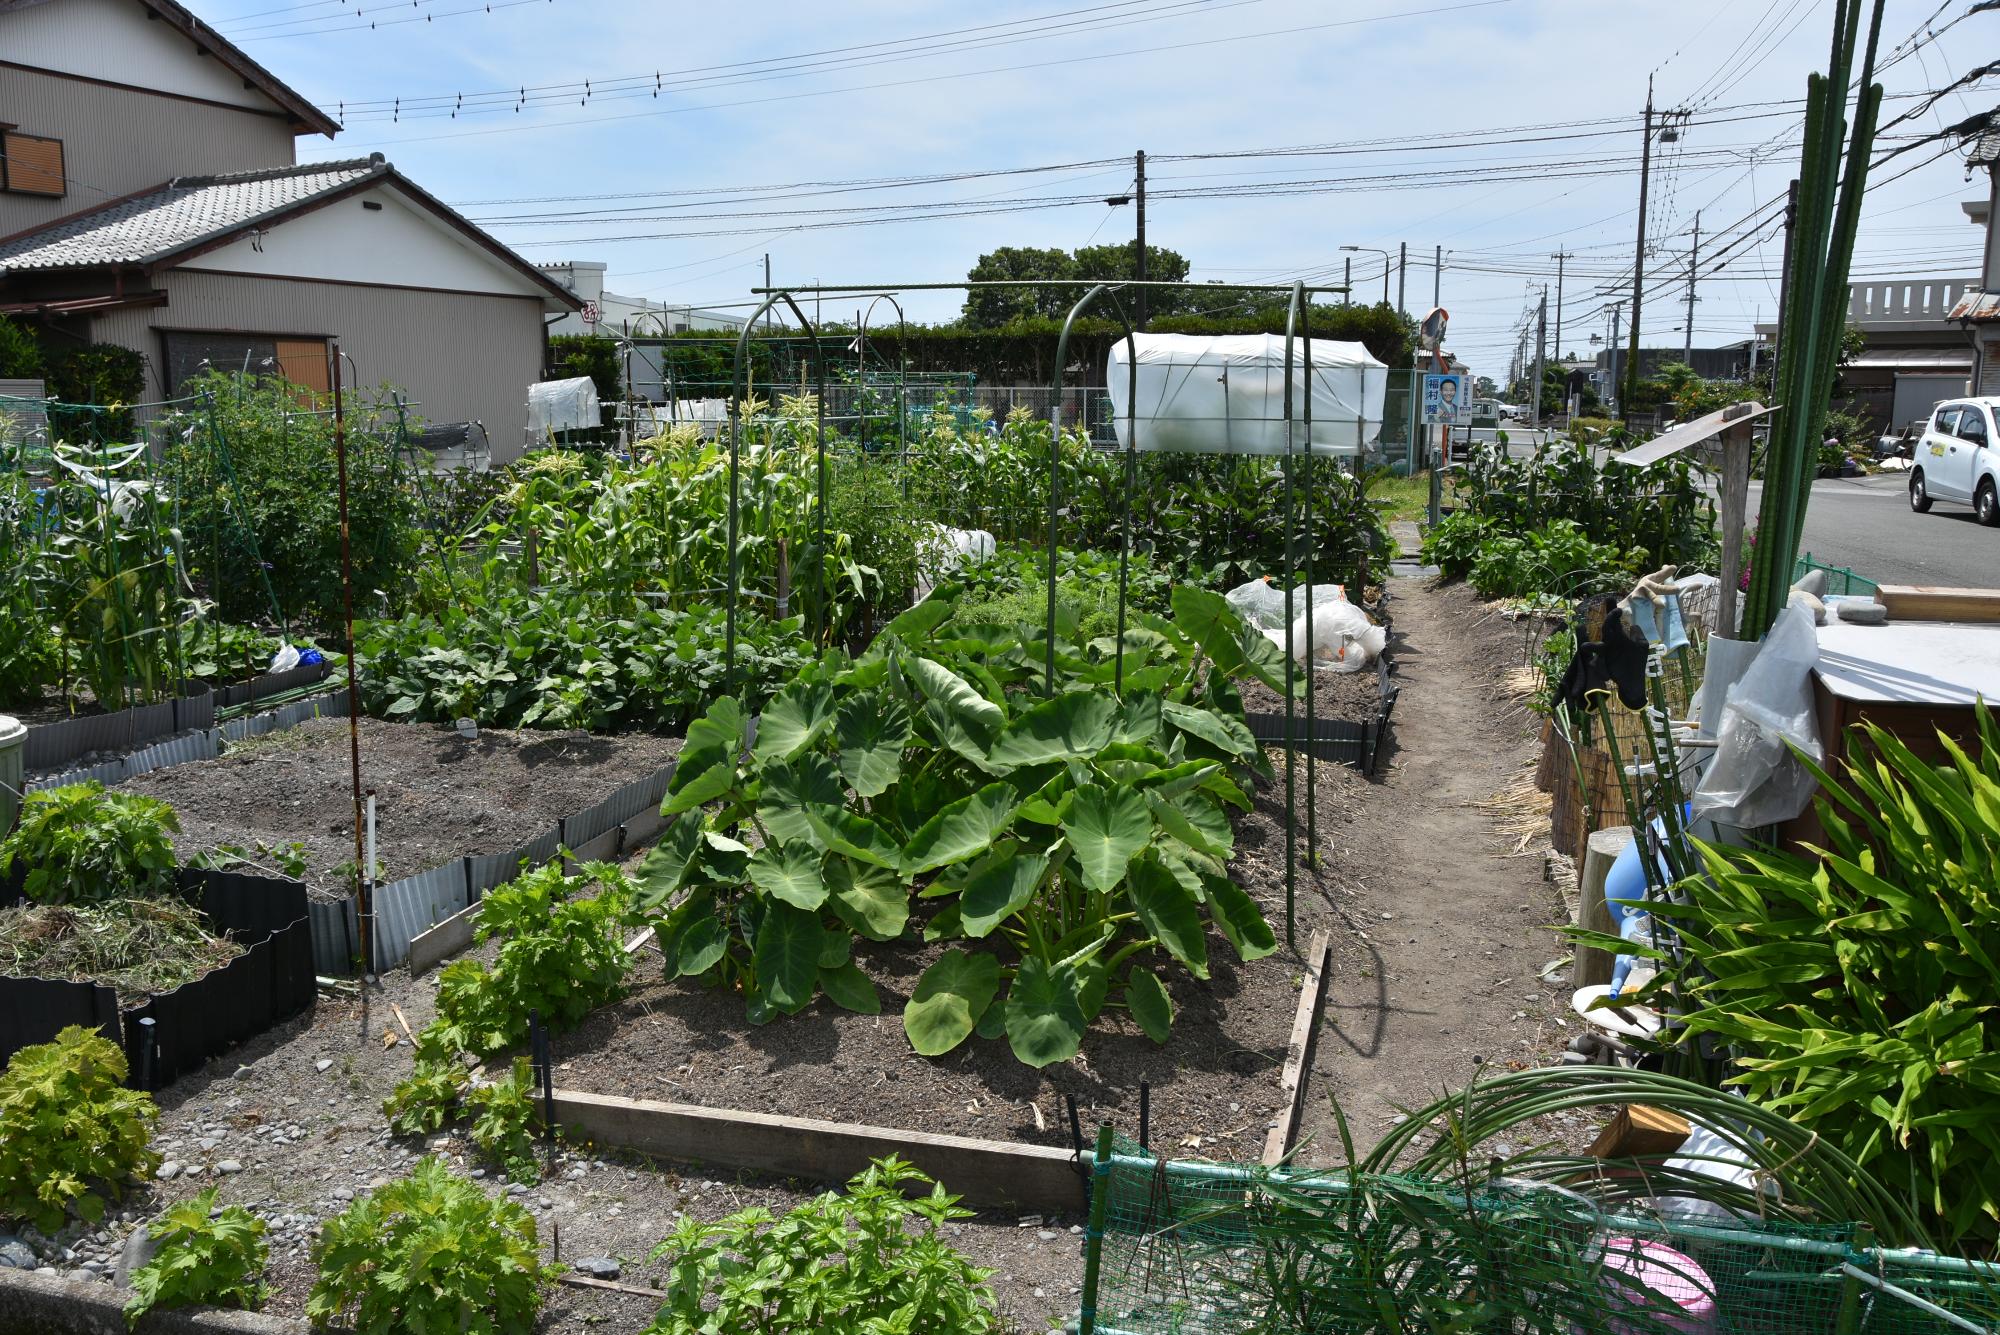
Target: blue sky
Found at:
858, 90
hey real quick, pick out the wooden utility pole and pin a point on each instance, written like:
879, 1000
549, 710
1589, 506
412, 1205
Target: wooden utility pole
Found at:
1628, 387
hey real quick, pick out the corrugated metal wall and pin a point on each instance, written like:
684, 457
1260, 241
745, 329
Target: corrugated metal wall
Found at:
462, 358
116, 141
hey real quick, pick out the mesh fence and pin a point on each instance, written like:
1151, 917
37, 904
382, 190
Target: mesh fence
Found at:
1215, 1249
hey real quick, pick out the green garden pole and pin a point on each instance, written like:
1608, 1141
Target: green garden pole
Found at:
1291, 656
1093, 1238
1848, 1321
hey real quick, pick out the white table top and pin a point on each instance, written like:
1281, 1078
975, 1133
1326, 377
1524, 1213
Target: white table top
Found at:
1911, 662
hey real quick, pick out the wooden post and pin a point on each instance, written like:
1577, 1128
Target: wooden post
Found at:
1594, 966
1733, 496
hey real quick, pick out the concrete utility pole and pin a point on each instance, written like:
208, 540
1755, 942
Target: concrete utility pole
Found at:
1541, 356
1694, 258
769, 315
1611, 380
1437, 279
1347, 282
1402, 262
1561, 257
1139, 261
1630, 384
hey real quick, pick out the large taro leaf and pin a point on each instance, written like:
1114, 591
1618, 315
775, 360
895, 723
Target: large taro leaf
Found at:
1149, 1003
1196, 820
1233, 646
960, 830
790, 872
1072, 726
950, 997
965, 720
1169, 913
871, 729
797, 716
666, 866
1225, 734
794, 788
1139, 719
1045, 1021
1001, 884
1105, 827
871, 900
850, 989
849, 832
787, 956
1239, 918
712, 743
702, 940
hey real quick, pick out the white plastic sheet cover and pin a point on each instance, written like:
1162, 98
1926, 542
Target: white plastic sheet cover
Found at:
1226, 395
563, 405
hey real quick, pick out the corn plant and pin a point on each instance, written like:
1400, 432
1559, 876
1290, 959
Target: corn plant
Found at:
1082, 834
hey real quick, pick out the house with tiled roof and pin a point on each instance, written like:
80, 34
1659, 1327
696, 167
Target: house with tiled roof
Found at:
1978, 311
151, 197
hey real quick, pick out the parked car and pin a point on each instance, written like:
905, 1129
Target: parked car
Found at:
1956, 461
1511, 412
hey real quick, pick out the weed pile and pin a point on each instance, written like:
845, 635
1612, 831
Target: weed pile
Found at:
138, 946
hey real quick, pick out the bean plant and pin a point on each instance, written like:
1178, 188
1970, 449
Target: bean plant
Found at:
1083, 834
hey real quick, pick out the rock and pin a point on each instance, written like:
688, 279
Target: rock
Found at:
1814, 583
599, 1267
229, 1166
192, 1170
210, 1142
1047, 1235
1811, 603
1864, 614
167, 1171
544, 1203
323, 1065
576, 1172
343, 1193
16, 1254
243, 1072
139, 1249
478, 1173
517, 1188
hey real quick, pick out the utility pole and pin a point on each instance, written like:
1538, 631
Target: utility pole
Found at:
767, 287
1139, 259
1785, 276
1694, 258
1561, 257
1347, 281
1628, 387
1402, 262
1541, 356
1611, 380
1437, 278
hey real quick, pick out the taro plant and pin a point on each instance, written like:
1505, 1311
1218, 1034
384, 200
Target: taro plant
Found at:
79, 844
209, 1255
1858, 988
429, 1254
70, 1132
866, 1261
1076, 844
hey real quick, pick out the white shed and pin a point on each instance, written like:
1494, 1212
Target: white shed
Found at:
1226, 395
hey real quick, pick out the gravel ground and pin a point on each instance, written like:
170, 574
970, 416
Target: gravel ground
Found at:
438, 795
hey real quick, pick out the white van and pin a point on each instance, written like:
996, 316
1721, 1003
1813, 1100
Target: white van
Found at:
1956, 459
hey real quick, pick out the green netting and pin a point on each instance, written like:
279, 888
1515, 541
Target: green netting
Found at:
1195, 1248
1839, 579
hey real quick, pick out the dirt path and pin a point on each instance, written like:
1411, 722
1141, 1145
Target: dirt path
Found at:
1441, 933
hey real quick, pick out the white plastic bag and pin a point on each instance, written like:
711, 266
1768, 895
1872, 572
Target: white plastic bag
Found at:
285, 659
944, 550
1340, 636
1755, 779
1258, 603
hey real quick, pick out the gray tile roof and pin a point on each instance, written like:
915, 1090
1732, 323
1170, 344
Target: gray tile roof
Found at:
182, 213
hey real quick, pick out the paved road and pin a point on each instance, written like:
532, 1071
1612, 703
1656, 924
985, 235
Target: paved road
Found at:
1866, 524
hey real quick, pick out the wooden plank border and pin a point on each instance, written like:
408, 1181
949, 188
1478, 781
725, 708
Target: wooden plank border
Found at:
984, 1172
1304, 1043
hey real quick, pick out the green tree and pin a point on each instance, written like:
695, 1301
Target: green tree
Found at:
1115, 262
1485, 388
20, 354
991, 307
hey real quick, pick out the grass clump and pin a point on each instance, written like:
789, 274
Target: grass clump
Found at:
137, 946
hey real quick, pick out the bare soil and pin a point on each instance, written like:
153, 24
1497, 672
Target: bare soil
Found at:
438, 796
1351, 696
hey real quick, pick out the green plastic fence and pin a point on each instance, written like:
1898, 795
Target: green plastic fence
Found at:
1195, 1248
1839, 579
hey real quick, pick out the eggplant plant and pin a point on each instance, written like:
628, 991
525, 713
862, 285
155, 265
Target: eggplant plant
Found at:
1069, 848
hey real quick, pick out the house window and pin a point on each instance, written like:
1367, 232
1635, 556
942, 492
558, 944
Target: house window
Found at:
300, 359
33, 164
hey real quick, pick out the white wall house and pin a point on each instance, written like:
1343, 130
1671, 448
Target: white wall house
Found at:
612, 315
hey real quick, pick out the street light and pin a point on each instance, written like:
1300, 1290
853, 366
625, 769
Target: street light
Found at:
1385, 267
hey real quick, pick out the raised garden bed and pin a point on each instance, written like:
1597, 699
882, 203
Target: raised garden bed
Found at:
169, 1033
1351, 713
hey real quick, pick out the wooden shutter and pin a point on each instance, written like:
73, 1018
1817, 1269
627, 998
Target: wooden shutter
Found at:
303, 362
34, 164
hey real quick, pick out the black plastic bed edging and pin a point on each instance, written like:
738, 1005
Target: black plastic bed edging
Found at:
271, 981
1356, 742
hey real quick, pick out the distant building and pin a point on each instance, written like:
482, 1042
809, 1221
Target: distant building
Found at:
151, 198
612, 315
